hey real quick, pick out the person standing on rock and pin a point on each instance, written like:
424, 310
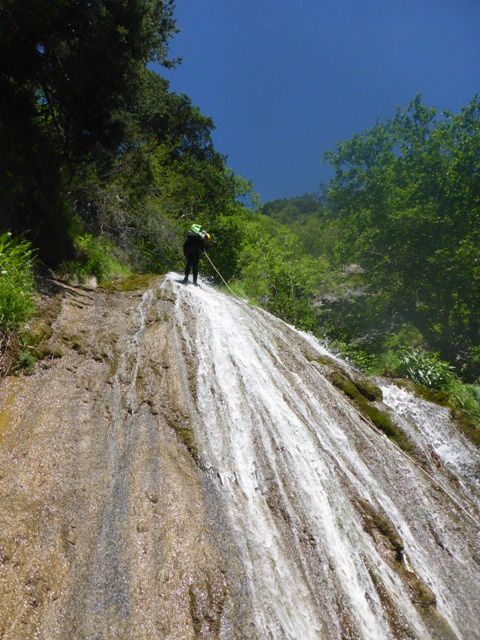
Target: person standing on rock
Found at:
195, 243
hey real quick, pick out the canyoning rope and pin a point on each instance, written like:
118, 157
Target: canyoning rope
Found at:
224, 281
415, 463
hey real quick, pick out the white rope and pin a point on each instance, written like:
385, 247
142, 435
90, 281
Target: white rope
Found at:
224, 281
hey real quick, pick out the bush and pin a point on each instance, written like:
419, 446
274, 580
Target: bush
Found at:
16, 282
97, 257
386, 364
25, 361
271, 269
225, 254
425, 368
466, 399
471, 365
405, 337
354, 354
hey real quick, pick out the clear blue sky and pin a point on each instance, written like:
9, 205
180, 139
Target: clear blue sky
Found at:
284, 81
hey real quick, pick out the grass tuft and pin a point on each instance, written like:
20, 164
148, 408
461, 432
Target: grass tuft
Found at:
16, 282
97, 258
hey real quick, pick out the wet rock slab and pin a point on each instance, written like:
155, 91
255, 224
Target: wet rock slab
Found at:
103, 531
182, 466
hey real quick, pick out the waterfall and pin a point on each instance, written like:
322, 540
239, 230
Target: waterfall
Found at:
189, 467
329, 531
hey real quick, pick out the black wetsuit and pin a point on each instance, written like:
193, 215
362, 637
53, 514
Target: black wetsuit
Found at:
192, 248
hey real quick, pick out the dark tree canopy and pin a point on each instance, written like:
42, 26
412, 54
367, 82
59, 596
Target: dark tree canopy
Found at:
70, 72
79, 64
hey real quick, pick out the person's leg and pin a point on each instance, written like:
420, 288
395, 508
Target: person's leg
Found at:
195, 269
188, 265
187, 272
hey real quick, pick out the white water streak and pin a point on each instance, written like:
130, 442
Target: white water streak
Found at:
292, 460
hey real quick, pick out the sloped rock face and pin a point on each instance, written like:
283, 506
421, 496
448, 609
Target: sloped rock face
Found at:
103, 528
180, 466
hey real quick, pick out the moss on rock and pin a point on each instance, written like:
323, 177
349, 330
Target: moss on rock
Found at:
375, 521
380, 418
369, 389
187, 436
345, 384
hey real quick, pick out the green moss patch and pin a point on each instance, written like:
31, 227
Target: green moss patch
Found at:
345, 385
326, 361
182, 427
375, 521
187, 436
369, 390
380, 418
362, 384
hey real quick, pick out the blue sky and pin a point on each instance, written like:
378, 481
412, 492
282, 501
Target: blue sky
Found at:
285, 81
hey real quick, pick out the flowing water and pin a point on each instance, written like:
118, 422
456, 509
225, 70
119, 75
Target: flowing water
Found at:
295, 467
182, 468
430, 428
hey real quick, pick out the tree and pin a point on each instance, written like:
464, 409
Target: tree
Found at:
407, 195
69, 72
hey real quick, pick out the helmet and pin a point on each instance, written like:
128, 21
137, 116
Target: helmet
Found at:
196, 228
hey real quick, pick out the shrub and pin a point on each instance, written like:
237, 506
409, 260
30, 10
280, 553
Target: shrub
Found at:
466, 399
405, 337
25, 361
16, 281
386, 364
425, 368
354, 354
97, 257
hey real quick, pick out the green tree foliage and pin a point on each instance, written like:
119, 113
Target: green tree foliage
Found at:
270, 267
309, 217
78, 65
94, 143
229, 239
400, 229
70, 73
288, 210
407, 196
